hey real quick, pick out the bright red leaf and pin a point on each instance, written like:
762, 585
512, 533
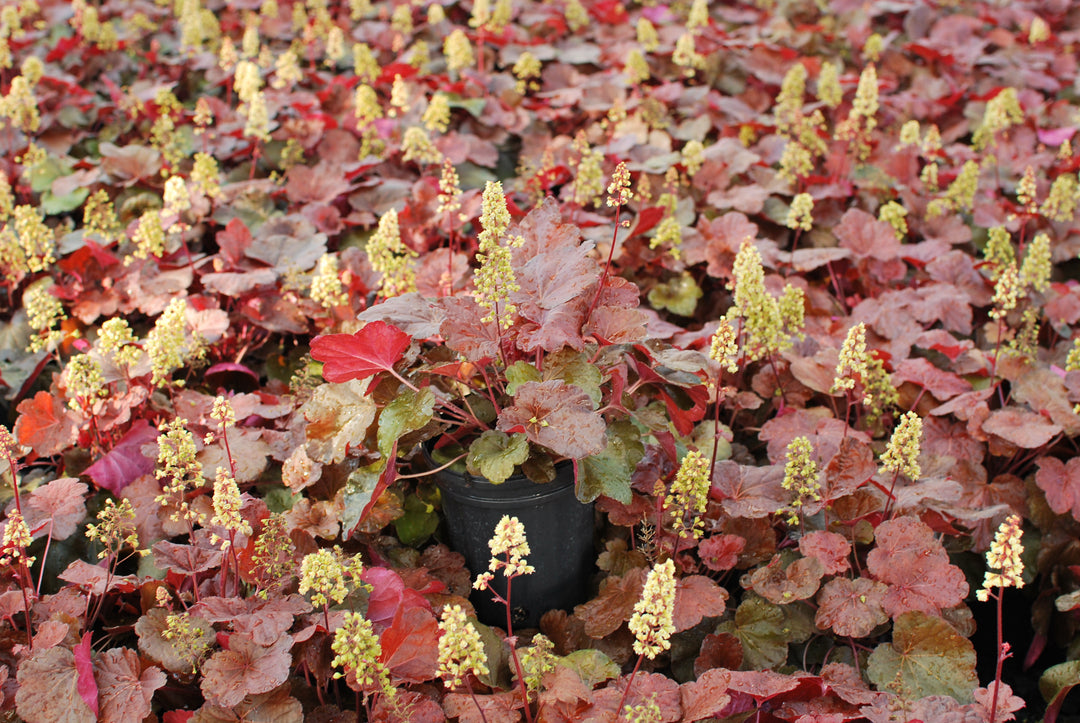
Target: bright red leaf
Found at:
373, 349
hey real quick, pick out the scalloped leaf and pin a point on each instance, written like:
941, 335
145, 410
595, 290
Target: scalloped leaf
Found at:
926, 657
494, 455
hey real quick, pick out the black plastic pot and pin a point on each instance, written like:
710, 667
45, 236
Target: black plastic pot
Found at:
558, 527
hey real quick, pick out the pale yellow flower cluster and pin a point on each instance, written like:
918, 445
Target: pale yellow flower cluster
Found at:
178, 465
767, 324
227, 503
619, 193
391, 257
326, 286
116, 528
902, 453
653, 620
508, 541
461, 652
724, 348
323, 573
495, 279
801, 477
895, 215
85, 380
800, 215
689, 495
357, 649
16, 539
44, 311
1038, 264
1004, 555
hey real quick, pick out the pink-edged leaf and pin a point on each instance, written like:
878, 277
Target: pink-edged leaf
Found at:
373, 349
84, 668
125, 463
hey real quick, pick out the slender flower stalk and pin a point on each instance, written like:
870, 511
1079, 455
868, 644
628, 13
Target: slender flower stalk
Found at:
1004, 556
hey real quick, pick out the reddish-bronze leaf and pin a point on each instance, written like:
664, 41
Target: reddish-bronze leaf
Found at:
49, 689
914, 563
62, 502
697, 597
126, 688
749, 491
829, 548
851, 608
497, 708
410, 646
466, 332
1060, 481
556, 415
246, 668
277, 705
718, 650
606, 612
721, 552
943, 385
782, 585
867, 237
44, 425
1023, 428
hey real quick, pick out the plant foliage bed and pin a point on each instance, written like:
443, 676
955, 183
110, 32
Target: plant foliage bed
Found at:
791, 285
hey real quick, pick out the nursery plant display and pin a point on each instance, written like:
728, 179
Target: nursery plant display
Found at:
781, 297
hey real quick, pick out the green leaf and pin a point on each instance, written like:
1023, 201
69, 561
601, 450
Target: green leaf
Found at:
518, 373
592, 666
678, 295
608, 472
574, 368
494, 455
1057, 681
52, 205
759, 626
418, 523
361, 484
279, 498
926, 657
408, 412
43, 174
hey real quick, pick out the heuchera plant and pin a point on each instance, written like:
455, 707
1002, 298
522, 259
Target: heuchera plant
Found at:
553, 364
791, 284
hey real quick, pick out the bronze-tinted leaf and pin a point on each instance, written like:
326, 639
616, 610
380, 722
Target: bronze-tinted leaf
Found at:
555, 415
126, 688
246, 668
697, 597
851, 608
49, 689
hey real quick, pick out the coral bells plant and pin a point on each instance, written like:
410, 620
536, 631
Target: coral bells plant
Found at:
789, 289
544, 357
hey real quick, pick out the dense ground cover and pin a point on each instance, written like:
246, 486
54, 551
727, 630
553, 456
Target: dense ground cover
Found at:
793, 285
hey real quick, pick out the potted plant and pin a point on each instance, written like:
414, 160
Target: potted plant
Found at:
532, 392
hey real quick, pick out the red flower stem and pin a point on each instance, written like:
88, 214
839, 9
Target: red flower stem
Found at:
607, 266
513, 648
626, 691
1000, 657
468, 685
